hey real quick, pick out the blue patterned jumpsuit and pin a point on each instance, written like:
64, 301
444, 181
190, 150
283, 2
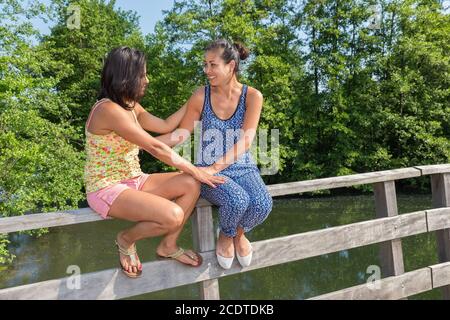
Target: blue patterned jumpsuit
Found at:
243, 200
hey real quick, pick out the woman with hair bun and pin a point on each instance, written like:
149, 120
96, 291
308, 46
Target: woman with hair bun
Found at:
227, 107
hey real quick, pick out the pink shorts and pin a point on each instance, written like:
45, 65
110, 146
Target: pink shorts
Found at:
100, 201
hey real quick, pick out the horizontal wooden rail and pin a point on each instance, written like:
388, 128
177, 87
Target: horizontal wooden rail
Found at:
396, 287
54, 219
46, 220
343, 181
390, 288
438, 219
159, 275
434, 169
441, 274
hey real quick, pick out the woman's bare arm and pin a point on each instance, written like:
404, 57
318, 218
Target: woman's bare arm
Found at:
193, 112
154, 124
121, 123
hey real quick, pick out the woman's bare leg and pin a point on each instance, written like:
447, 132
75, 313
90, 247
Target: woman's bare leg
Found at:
241, 243
225, 246
155, 216
185, 190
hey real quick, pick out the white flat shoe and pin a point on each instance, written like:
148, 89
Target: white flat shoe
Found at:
246, 260
225, 262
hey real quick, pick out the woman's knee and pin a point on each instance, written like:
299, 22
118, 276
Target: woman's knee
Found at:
238, 202
173, 217
259, 210
229, 196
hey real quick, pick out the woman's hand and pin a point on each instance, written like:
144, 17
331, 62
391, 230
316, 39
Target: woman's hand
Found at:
209, 170
202, 175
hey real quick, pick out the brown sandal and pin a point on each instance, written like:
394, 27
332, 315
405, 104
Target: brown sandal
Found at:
179, 253
132, 254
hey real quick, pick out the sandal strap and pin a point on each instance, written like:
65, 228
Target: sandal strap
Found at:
176, 254
133, 260
128, 252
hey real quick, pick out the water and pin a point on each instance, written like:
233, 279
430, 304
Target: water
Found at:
91, 247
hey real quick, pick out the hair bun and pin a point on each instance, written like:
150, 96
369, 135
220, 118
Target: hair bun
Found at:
243, 51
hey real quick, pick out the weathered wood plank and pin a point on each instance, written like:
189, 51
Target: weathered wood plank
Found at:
433, 169
391, 288
441, 274
438, 219
159, 275
55, 219
342, 181
203, 236
315, 243
46, 220
203, 203
112, 283
391, 253
440, 188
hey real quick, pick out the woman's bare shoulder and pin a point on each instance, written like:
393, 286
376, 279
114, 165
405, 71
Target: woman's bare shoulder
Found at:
139, 109
197, 98
109, 108
199, 93
106, 113
254, 93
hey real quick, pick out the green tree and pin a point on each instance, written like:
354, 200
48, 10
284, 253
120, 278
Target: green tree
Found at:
176, 51
33, 177
82, 50
380, 93
414, 85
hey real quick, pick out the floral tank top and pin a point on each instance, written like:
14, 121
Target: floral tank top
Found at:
109, 158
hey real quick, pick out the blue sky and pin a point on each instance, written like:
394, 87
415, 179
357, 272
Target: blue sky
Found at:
150, 11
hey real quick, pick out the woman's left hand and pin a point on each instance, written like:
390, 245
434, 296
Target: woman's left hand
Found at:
209, 170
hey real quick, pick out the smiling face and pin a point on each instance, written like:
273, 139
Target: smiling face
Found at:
215, 68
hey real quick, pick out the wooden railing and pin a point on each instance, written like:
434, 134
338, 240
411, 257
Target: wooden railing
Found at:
387, 229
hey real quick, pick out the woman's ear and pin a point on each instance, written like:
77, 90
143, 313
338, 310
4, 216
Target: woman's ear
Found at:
232, 65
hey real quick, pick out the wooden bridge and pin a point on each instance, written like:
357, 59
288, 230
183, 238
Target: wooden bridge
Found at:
387, 229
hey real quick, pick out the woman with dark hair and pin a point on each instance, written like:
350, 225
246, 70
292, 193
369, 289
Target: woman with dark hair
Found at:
116, 186
225, 106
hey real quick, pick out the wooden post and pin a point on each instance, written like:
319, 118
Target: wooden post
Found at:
440, 188
204, 240
391, 253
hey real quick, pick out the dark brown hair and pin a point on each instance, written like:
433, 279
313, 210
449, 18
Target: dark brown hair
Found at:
236, 51
122, 76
